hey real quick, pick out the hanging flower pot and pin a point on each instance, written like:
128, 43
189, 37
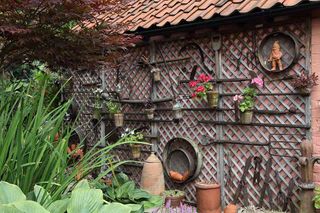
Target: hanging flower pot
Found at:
150, 113
118, 119
305, 91
156, 74
208, 197
135, 151
213, 98
246, 117
177, 111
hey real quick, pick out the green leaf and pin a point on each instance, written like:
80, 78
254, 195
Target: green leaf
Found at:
9, 209
138, 194
136, 208
83, 184
10, 193
42, 196
59, 206
115, 208
123, 191
154, 201
28, 206
85, 201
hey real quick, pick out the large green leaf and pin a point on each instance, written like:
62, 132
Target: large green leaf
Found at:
123, 191
83, 184
115, 208
28, 206
136, 208
139, 194
5, 208
85, 201
42, 196
59, 206
10, 193
154, 201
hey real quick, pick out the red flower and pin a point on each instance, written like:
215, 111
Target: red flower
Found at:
193, 84
193, 95
207, 78
200, 89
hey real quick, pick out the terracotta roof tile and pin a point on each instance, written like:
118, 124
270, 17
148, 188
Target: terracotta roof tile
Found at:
148, 13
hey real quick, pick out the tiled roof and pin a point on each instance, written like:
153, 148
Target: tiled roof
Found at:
148, 13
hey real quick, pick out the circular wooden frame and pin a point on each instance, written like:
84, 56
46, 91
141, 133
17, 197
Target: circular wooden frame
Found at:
197, 160
288, 44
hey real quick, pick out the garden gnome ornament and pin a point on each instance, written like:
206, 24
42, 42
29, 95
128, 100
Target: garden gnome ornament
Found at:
152, 178
275, 56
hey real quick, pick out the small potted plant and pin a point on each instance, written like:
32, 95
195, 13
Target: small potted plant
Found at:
156, 72
246, 101
97, 104
304, 82
173, 197
134, 136
203, 89
208, 196
149, 109
316, 199
115, 110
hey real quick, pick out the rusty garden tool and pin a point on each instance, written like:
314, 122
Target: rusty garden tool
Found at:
266, 186
242, 184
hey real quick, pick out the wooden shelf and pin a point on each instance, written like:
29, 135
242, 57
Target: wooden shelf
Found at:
254, 124
138, 101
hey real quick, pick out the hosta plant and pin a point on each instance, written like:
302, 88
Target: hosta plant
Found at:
82, 199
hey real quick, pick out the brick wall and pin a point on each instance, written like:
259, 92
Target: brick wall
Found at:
315, 97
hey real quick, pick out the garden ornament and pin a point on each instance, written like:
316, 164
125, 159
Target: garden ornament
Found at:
275, 56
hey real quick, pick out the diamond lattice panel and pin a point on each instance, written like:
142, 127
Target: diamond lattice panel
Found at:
236, 57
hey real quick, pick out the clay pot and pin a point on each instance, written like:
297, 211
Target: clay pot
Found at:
150, 113
231, 208
208, 198
152, 179
118, 119
136, 151
174, 201
213, 98
246, 117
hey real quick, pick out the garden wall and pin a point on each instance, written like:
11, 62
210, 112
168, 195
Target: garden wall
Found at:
223, 159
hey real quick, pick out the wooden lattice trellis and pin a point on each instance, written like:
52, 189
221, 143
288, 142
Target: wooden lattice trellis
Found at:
232, 61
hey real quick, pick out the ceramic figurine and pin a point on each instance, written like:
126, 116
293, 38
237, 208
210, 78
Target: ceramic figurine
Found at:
275, 56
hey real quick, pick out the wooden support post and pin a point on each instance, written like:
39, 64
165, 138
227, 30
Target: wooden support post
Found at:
307, 185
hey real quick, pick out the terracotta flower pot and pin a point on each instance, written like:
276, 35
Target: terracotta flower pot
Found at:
152, 178
150, 113
136, 151
208, 198
118, 119
213, 98
246, 117
174, 201
231, 208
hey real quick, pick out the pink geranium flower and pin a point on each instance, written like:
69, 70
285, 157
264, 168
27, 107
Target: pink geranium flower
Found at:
193, 95
237, 98
257, 81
